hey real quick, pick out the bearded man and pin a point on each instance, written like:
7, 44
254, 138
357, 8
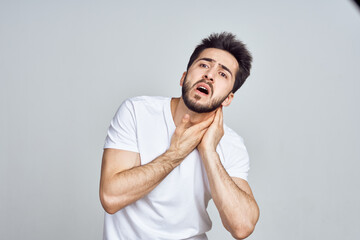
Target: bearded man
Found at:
165, 158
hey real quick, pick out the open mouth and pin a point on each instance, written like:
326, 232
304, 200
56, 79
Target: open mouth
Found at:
203, 90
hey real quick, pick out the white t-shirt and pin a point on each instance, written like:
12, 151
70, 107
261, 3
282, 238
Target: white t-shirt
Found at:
176, 208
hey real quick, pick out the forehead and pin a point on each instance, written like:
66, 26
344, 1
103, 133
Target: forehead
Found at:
220, 56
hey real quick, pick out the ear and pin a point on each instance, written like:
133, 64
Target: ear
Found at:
182, 79
228, 100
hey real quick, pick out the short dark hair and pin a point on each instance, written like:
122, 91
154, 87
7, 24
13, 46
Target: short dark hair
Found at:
228, 42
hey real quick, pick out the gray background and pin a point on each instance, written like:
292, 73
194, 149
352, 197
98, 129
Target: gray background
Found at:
65, 66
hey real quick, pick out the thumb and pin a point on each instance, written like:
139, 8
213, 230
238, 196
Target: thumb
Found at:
184, 122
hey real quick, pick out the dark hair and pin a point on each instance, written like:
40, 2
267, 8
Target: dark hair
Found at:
228, 42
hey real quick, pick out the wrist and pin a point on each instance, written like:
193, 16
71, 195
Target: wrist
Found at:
173, 157
206, 149
207, 152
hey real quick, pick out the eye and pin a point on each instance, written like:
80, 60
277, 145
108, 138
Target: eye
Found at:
204, 65
223, 75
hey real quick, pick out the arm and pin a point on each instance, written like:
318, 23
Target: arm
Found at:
123, 180
232, 196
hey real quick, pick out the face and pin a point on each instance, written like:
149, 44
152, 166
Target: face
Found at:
209, 81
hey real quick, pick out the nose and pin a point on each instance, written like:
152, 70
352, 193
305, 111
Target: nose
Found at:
209, 75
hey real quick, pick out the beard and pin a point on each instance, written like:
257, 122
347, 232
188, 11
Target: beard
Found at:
194, 105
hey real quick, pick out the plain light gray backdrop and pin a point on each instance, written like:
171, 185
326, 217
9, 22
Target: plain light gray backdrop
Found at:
65, 66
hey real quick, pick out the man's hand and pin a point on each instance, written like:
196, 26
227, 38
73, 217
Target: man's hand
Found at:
213, 134
186, 139
232, 196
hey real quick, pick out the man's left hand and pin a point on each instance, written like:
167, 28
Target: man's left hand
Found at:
213, 134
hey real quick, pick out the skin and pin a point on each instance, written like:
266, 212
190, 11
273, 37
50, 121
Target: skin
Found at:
124, 180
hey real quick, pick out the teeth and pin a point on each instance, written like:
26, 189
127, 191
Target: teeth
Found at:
203, 89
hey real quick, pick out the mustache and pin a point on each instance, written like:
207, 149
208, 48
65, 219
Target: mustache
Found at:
206, 82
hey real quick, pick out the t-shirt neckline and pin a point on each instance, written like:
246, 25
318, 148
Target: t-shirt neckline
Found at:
169, 116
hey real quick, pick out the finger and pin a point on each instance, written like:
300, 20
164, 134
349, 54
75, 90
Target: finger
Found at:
217, 116
202, 133
221, 116
184, 121
204, 124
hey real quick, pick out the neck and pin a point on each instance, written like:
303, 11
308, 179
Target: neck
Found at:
179, 109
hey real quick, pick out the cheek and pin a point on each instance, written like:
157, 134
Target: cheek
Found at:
197, 73
230, 85
225, 87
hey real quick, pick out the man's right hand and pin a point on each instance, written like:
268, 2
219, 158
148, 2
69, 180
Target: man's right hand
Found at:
186, 138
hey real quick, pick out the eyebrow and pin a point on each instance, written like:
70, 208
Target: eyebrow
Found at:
212, 60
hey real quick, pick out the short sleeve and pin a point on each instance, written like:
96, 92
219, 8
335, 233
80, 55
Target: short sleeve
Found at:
122, 130
236, 158
239, 165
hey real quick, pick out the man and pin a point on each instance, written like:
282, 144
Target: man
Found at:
165, 158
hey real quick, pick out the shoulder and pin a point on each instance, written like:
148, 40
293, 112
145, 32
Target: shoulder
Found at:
234, 155
231, 138
148, 101
232, 142
143, 106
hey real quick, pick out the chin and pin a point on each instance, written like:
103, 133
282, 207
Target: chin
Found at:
197, 107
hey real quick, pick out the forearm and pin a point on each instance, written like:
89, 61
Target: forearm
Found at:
125, 187
238, 210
